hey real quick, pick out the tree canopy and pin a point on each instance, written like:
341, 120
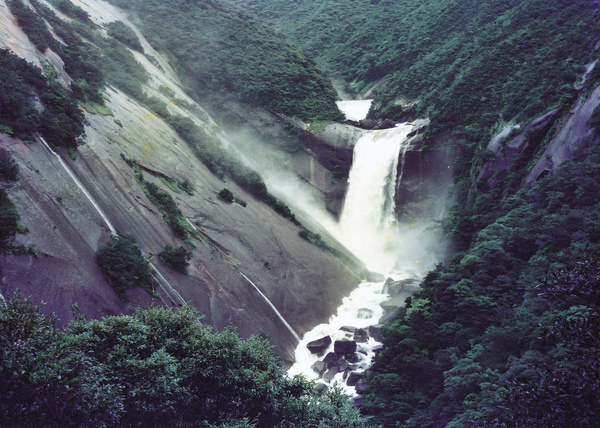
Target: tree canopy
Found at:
156, 366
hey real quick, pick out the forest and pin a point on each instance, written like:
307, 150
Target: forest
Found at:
503, 333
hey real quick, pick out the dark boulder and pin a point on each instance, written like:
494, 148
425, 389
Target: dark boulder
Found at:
386, 124
361, 335
354, 378
320, 345
361, 386
330, 374
319, 367
332, 357
368, 123
375, 332
352, 358
344, 346
322, 387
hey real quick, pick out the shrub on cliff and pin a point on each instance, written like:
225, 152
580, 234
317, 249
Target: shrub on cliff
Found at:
124, 266
177, 258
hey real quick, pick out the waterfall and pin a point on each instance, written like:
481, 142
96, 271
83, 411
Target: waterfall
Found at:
368, 220
368, 229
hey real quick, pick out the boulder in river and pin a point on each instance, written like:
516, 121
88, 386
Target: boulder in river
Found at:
354, 378
319, 367
361, 335
332, 357
344, 346
319, 346
361, 386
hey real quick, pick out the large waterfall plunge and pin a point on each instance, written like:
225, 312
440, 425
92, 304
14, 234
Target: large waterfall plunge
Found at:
367, 222
367, 228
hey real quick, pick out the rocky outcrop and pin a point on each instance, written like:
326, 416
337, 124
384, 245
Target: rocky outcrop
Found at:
326, 162
572, 133
422, 178
511, 141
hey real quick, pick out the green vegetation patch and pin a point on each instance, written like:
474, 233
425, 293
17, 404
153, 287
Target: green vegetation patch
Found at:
60, 121
124, 266
177, 258
155, 365
315, 239
247, 59
165, 203
120, 31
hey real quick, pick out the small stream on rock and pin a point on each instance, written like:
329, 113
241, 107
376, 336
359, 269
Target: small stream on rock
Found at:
341, 350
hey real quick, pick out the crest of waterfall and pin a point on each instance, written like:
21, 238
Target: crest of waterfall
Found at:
368, 221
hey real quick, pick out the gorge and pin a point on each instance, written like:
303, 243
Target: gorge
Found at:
176, 175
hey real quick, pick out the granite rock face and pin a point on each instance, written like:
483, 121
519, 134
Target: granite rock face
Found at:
563, 130
241, 249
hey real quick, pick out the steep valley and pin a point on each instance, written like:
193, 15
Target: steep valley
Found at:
303, 281
205, 135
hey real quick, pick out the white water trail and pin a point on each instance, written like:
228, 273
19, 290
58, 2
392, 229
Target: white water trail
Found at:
355, 110
164, 284
167, 287
287, 325
81, 187
368, 229
368, 224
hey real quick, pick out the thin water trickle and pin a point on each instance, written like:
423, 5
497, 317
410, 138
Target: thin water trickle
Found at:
81, 187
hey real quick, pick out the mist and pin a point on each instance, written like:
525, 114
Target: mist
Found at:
390, 247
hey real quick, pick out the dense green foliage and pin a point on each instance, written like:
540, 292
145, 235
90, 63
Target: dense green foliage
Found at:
155, 367
468, 348
315, 239
30, 104
469, 64
124, 34
218, 47
124, 266
177, 258
23, 87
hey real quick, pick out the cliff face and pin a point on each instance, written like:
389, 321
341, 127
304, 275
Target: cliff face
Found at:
536, 149
302, 281
423, 174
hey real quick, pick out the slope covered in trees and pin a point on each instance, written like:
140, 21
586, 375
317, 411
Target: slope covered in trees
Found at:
465, 64
218, 47
155, 367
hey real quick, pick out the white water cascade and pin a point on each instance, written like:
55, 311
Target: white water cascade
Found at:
368, 224
368, 229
